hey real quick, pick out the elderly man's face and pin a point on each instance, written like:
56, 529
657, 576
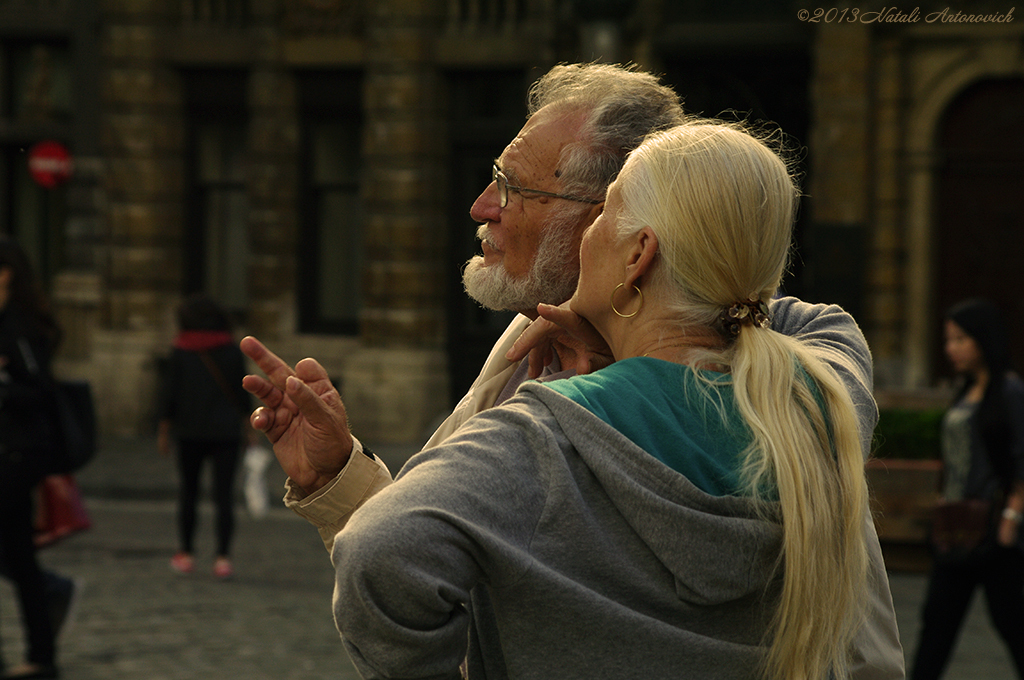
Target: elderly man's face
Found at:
531, 246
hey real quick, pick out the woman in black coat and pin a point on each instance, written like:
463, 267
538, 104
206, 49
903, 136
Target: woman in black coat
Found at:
203, 403
28, 339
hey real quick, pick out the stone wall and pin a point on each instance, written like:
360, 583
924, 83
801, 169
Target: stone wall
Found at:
393, 384
939, 61
395, 374
142, 144
118, 311
878, 95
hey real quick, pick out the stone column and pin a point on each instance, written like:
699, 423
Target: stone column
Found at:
142, 141
77, 287
272, 186
886, 272
397, 383
840, 139
143, 144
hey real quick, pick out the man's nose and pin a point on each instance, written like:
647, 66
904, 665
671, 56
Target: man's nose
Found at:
486, 207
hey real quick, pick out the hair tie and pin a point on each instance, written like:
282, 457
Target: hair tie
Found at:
752, 312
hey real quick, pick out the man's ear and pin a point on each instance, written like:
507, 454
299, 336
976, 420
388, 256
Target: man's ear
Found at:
594, 212
641, 255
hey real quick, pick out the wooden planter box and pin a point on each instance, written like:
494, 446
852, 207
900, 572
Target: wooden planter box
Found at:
903, 494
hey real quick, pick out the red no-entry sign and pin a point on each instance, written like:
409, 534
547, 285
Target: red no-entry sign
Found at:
49, 163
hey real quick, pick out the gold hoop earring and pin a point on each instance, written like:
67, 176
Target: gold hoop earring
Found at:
627, 316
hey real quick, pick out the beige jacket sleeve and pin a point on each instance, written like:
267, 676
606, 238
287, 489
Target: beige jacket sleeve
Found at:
329, 508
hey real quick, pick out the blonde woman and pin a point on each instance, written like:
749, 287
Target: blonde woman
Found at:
694, 509
703, 210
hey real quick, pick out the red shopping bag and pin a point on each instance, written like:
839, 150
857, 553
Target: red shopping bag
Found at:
60, 511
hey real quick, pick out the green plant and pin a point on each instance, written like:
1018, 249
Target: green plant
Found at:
908, 433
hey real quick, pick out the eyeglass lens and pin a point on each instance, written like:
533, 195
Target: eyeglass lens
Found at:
499, 177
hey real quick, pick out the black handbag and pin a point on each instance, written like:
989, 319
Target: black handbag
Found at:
76, 421
74, 415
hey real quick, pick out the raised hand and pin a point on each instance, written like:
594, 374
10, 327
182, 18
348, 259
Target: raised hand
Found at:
302, 415
561, 325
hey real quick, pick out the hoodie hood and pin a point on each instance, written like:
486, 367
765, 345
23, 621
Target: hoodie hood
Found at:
716, 547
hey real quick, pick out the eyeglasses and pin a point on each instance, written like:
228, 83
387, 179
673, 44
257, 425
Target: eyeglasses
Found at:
503, 187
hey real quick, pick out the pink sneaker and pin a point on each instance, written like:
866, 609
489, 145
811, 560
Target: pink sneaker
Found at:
222, 568
183, 563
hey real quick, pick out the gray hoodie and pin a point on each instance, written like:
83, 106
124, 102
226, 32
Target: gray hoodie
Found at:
565, 551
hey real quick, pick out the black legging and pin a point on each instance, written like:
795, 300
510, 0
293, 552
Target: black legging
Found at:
951, 587
20, 564
191, 454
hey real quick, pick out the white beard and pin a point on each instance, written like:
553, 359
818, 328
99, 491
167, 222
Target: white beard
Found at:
551, 279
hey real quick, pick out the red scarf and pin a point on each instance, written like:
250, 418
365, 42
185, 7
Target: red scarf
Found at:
201, 341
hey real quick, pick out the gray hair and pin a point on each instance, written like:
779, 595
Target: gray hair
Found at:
622, 105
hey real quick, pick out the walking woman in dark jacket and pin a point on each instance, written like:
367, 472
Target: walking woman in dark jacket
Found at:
204, 404
28, 339
983, 455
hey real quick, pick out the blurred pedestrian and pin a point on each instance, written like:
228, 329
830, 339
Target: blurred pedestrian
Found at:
983, 456
202, 402
28, 339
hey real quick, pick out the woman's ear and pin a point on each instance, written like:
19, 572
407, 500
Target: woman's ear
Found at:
641, 255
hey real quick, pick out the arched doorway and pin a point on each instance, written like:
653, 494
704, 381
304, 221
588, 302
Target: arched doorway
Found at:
979, 206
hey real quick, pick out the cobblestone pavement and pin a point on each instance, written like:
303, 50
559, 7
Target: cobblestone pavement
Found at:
137, 619
980, 654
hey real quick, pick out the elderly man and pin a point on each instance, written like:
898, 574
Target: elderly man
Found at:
547, 186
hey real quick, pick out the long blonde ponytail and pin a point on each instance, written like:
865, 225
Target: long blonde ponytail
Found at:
806, 445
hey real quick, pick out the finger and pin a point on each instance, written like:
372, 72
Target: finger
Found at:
273, 423
314, 408
588, 362
585, 364
276, 370
262, 389
312, 373
315, 376
270, 423
574, 324
540, 357
260, 419
256, 385
577, 327
534, 334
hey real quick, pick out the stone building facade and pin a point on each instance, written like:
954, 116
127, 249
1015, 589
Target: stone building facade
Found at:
310, 163
919, 153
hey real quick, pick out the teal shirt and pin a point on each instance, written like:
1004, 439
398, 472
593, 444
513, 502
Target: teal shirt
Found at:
663, 408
